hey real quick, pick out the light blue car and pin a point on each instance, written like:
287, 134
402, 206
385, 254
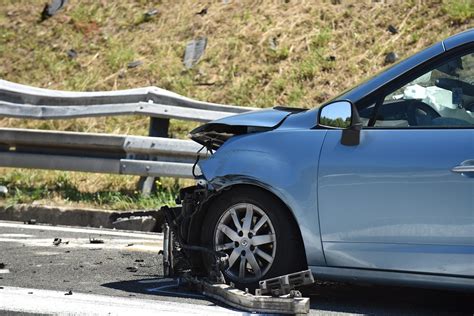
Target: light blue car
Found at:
376, 185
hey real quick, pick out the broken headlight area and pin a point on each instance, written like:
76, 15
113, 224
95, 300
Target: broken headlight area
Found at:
182, 252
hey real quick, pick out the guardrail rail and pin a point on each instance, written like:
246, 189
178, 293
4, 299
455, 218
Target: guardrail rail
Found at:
147, 156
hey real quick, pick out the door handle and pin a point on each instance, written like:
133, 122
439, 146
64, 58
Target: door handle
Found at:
465, 167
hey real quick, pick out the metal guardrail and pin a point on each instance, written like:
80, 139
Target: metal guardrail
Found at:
152, 156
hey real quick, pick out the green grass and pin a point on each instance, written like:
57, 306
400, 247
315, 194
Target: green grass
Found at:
60, 190
459, 11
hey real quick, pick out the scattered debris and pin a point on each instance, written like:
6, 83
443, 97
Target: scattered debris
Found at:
98, 263
273, 42
72, 53
30, 292
2, 265
68, 293
67, 251
3, 190
202, 12
132, 269
336, 2
1, 287
194, 50
139, 260
391, 57
130, 245
52, 8
95, 240
30, 222
150, 14
134, 64
57, 241
392, 29
331, 58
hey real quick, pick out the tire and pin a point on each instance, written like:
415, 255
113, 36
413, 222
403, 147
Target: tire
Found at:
264, 256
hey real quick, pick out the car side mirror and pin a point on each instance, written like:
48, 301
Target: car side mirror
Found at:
342, 115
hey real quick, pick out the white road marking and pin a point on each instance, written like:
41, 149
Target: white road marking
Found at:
145, 245
92, 231
55, 302
16, 235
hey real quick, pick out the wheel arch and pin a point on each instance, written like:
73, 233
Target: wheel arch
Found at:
198, 220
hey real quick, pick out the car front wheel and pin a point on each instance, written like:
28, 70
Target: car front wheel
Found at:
258, 234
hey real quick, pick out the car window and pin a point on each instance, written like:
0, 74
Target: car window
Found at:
441, 97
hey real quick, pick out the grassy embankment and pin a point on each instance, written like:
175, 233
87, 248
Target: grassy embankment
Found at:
260, 53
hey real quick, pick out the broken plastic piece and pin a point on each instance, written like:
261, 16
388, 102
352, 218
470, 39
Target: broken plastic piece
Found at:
392, 29
134, 64
391, 57
72, 53
57, 241
3, 190
52, 8
194, 50
95, 241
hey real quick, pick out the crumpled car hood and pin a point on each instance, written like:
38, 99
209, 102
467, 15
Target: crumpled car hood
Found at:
215, 133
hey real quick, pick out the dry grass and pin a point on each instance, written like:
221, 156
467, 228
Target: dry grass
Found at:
239, 66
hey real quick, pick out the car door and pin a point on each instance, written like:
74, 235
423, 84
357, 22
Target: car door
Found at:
403, 199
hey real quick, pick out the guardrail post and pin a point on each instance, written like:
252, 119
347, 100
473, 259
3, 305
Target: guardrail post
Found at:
158, 128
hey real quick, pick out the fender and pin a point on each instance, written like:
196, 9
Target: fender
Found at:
283, 162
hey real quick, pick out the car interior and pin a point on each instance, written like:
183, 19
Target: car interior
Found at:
442, 97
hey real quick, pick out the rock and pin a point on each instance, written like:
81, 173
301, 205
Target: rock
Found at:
194, 50
391, 57
392, 29
52, 8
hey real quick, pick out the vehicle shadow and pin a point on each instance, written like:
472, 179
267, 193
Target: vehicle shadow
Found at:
388, 300
159, 286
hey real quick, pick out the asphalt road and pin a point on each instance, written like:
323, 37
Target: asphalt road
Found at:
123, 274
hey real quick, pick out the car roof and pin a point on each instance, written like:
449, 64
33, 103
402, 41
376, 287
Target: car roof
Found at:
359, 92
459, 39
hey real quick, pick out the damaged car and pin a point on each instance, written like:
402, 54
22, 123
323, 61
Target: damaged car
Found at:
375, 185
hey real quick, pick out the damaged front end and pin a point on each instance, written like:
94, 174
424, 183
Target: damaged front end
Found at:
200, 265
184, 222
182, 252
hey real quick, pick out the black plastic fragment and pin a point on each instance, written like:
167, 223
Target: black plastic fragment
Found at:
391, 57
392, 29
96, 241
68, 293
57, 241
202, 12
72, 53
